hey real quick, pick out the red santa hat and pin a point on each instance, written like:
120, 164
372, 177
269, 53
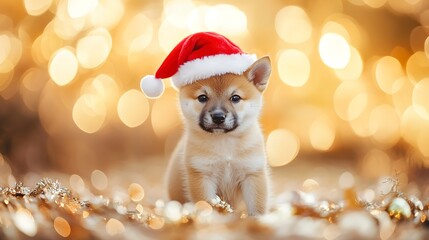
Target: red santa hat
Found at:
198, 56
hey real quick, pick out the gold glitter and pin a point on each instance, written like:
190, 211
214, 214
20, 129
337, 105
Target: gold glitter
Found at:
136, 192
114, 227
24, 221
99, 180
156, 222
62, 227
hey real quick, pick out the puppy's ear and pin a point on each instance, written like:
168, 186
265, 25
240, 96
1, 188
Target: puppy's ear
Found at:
259, 73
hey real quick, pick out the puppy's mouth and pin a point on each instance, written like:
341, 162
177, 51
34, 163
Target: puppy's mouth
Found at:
207, 124
217, 128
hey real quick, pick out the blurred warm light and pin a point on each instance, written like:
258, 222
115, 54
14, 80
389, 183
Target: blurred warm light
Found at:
385, 132
24, 221
63, 66
353, 70
368, 195
293, 25
412, 125
62, 227
37, 7
226, 19
196, 21
375, 3
156, 223
89, 113
80, 8
424, 17
68, 67
346, 180
107, 13
389, 74
33, 81
310, 185
427, 47
114, 227
5, 80
5, 170
65, 26
138, 33
417, 38
165, 106
99, 180
181, 17
336, 28
10, 53
334, 50
402, 99
104, 87
294, 67
421, 98
350, 100
169, 35
417, 66
174, 24
173, 211
322, 133
133, 108
376, 164
93, 49
76, 183
47, 104
406, 6
331, 232
282, 147
139, 208
423, 142
45, 45
136, 192
176, 11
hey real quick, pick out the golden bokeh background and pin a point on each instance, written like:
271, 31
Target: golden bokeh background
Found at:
350, 82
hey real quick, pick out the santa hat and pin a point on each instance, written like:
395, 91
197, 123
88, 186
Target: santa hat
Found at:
198, 56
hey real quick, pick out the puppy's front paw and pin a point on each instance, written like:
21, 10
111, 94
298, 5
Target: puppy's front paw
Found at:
221, 205
256, 212
255, 191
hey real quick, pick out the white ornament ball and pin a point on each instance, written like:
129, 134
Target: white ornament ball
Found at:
152, 87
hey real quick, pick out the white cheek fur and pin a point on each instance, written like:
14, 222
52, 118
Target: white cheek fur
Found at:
190, 110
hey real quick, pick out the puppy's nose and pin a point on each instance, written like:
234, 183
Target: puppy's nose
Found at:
218, 117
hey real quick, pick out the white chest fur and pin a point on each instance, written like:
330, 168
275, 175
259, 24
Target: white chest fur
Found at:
227, 154
227, 161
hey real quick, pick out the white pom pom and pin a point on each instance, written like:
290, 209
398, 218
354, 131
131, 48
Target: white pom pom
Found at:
151, 86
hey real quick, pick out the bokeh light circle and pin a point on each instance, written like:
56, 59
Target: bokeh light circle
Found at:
293, 25
294, 67
282, 147
421, 98
63, 66
334, 50
89, 113
133, 108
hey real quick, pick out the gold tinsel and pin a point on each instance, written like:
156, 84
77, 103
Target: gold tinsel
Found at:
49, 209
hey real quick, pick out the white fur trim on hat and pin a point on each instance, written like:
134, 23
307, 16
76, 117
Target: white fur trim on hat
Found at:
210, 66
152, 87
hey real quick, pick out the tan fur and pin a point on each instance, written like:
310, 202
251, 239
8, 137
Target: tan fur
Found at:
231, 165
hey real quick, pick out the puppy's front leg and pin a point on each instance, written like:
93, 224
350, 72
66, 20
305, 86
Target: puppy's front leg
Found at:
201, 187
254, 191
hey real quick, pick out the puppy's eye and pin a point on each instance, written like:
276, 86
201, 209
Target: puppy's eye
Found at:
202, 98
235, 99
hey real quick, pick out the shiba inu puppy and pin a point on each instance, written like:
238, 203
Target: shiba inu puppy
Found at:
222, 150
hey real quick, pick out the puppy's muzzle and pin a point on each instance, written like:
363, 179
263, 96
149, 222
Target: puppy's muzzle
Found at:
218, 120
218, 117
